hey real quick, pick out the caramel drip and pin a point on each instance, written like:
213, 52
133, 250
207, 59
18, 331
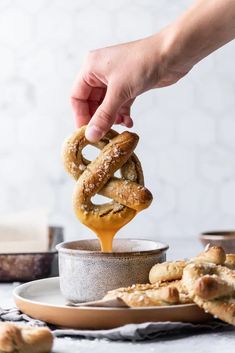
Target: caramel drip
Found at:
128, 194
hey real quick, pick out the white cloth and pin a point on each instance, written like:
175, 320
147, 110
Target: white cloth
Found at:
24, 232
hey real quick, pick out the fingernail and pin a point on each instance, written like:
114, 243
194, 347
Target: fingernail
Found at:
93, 133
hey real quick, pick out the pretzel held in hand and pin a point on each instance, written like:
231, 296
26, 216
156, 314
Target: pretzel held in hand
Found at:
127, 193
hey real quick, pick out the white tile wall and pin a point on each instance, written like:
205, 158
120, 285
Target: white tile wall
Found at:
187, 144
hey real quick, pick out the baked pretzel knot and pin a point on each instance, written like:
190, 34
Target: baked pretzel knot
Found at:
212, 287
128, 193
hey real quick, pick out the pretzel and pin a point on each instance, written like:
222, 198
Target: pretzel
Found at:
214, 254
230, 261
212, 287
128, 193
24, 339
143, 295
169, 271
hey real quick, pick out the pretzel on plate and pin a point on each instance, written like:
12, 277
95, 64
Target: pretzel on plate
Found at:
169, 271
172, 272
128, 193
212, 287
143, 295
230, 261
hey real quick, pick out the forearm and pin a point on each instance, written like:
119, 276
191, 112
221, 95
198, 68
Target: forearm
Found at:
203, 28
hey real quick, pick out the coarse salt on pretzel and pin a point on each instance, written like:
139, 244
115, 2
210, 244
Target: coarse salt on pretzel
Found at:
230, 261
128, 193
212, 287
169, 271
143, 295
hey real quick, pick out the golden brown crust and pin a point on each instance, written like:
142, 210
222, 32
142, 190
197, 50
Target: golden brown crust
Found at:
170, 271
184, 297
230, 261
167, 271
214, 254
24, 339
157, 294
128, 193
212, 287
222, 309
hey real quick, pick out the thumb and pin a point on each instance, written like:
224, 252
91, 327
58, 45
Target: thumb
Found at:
105, 115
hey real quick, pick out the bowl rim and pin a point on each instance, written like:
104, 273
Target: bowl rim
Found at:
62, 249
218, 235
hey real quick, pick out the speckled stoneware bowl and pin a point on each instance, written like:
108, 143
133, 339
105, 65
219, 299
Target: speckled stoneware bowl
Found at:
226, 239
87, 274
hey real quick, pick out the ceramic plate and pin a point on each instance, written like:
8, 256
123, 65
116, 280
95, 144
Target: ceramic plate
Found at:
42, 300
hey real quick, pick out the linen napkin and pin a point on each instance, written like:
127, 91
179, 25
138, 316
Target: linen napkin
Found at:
130, 332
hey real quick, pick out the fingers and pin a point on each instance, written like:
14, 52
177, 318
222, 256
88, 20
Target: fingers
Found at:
81, 110
124, 120
123, 117
79, 100
127, 121
105, 114
85, 99
99, 104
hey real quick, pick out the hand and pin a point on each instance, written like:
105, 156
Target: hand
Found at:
111, 79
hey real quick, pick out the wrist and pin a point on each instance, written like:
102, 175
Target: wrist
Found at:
171, 64
202, 29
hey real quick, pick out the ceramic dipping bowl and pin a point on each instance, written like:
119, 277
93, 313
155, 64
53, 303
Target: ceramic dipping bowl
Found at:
226, 239
87, 274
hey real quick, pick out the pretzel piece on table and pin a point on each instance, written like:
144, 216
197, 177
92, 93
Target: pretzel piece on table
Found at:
24, 339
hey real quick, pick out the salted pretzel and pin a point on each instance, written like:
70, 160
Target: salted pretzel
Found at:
128, 193
212, 287
169, 271
143, 295
24, 339
172, 272
230, 261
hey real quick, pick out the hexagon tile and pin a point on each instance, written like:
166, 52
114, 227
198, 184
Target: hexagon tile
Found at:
187, 130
